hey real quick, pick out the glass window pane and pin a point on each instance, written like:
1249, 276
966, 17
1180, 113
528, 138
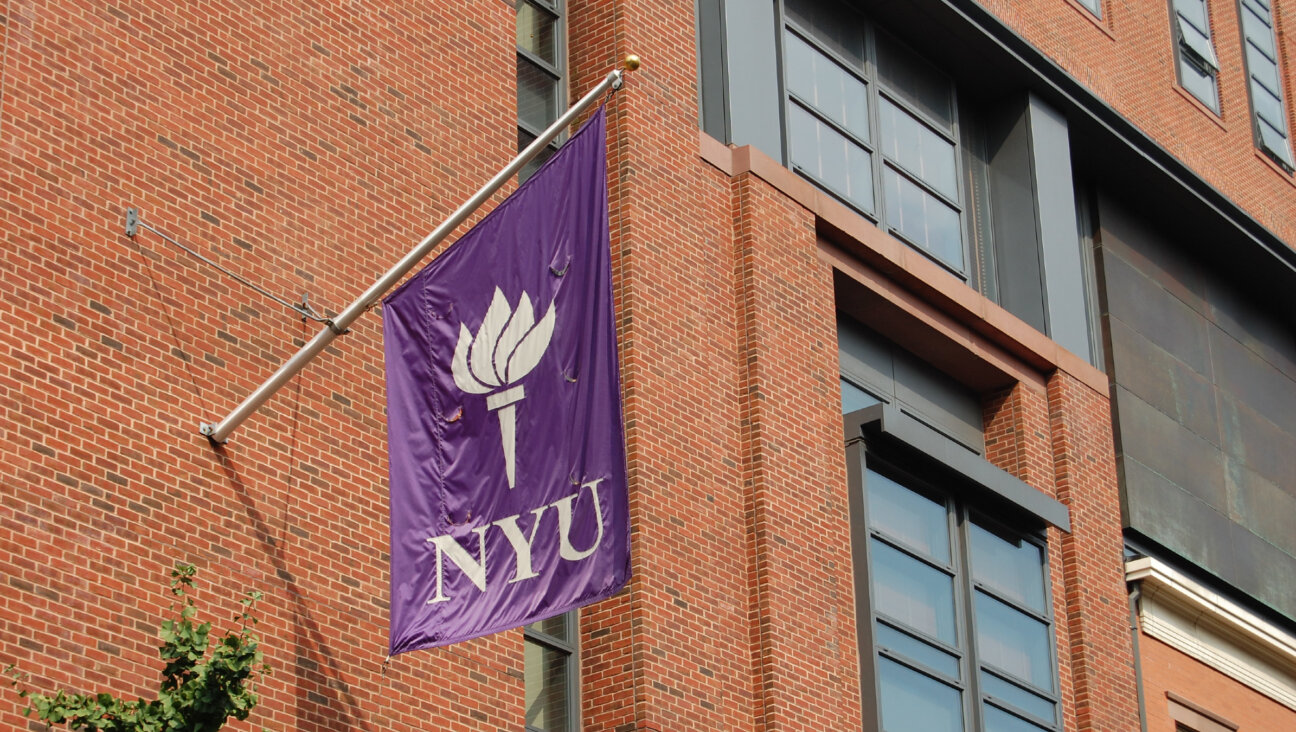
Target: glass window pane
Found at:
830, 158
859, 163
526, 138
916, 521
799, 60
1268, 106
1276, 143
546, 687
537, 95
537, 32
1256, 29
923, 219
555, 626
820, 82
912, 593
1198, 83
1013, 569
997, 720
854, 398
1194, 11
913, 702
832, 25
1013, 642
1199, 42
916, 81
1018, 697
916, 650
921, 151
1262, 69
1093, 5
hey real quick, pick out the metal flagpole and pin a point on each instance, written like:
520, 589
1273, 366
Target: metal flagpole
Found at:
219, 433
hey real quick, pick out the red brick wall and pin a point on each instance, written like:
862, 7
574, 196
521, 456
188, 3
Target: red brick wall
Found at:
308, 147
1061, 443
1093, 595
1127, 58
689, 640
305, 146
793, 470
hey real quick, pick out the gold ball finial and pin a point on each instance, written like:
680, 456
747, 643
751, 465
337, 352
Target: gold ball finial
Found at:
631, 62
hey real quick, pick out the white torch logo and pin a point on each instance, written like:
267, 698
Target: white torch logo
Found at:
507, 346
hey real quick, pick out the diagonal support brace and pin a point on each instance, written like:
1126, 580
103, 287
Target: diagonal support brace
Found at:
219, 432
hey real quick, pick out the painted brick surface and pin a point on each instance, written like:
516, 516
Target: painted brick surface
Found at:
1166, 669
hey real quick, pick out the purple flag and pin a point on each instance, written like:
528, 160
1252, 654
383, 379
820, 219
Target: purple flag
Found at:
508, 477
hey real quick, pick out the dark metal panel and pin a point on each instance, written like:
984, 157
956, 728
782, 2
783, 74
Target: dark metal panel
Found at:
935, 398
711, 69
1064, 285
1171, 450
752, 71
1159, 378
897, 376
869, 691
865, 358
1013, 211
889, 421
1204, 395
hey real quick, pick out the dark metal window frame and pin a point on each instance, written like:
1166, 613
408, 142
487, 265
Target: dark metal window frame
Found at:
1087, 231
569, 648
875, 90
556, 71
883, 439
1282, 157
1185, 53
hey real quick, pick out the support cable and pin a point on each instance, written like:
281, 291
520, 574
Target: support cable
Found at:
219, 432
303, 308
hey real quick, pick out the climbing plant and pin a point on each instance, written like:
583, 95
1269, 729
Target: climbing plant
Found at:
199, 691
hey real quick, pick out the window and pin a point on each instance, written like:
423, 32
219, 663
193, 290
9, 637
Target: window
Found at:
1094, 6
875, 125
1198, 67
550, 671
1190, 717
875, 370
550, 663
541, 49
978, 178
955, 614
961, 624
1268, 113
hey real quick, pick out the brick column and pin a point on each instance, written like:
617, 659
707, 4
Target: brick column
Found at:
673, 650
804, 642
1101, 651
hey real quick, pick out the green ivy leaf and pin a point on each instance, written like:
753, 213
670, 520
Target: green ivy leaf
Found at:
196, 694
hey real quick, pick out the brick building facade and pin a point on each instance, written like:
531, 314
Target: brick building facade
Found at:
944, 327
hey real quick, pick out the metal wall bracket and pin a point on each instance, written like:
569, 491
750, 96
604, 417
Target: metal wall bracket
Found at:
132, 221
